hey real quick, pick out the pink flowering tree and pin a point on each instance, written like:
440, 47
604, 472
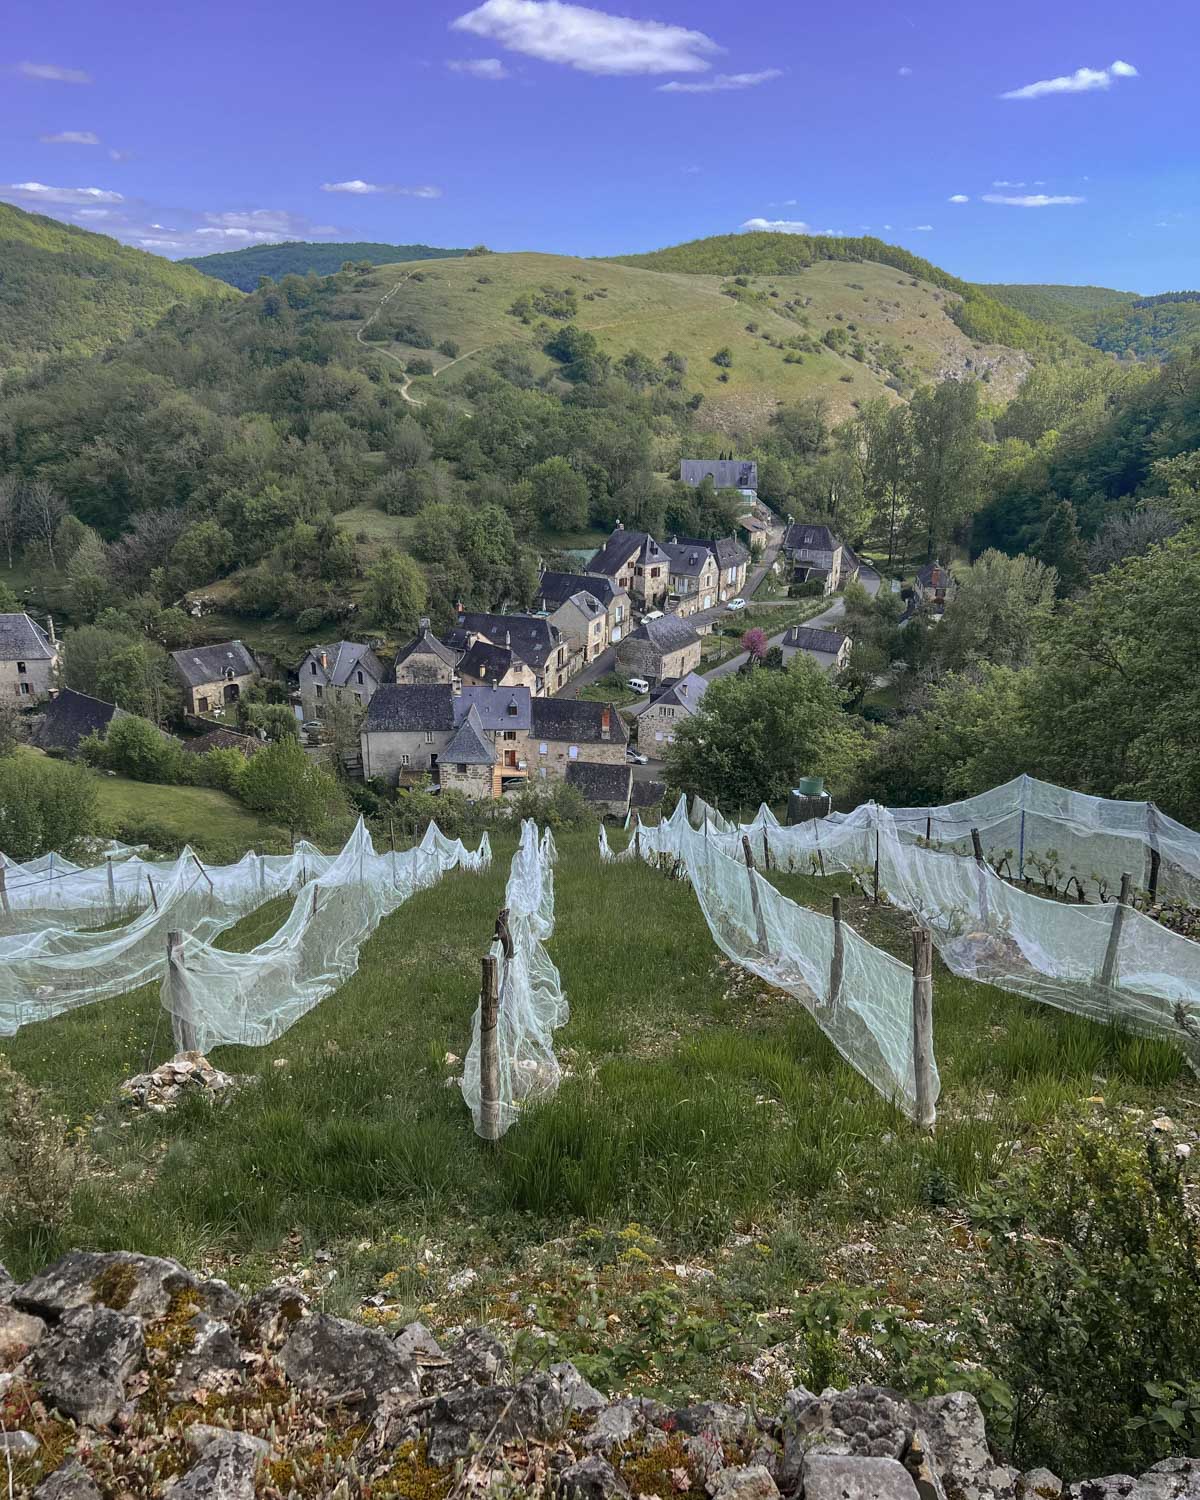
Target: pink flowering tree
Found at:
755, 643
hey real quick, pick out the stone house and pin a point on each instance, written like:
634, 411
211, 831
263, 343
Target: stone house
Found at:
485, 665
346, 672
555, 588
409, 726
814, 552
733, 564
606, 787
426, 660
635, 562
540, 657
564, 731
468, 763
830, 649
658, 649
934, 587
28, 659
70, 717
725, 473
692, 576
671, 703
214, 676
582, 622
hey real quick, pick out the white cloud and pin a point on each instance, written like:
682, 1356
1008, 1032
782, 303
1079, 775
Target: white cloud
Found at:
904, 72
119, 155
71, 138
33, 193
52, 73
357, 186
1081, 81
1031, 200
490, 68
721, 83
921, 229
1004, 182
958, 198
591, 41
93, 213
782, 226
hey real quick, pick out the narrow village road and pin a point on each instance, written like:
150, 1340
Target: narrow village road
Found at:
869, 579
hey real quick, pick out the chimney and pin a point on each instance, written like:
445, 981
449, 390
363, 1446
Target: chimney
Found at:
620, 526
606, 723
50, 630
324, 661
423, 625
508, 639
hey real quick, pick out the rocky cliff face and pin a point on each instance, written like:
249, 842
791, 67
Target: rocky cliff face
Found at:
127, 1375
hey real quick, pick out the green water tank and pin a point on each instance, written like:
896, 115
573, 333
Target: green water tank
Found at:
811, 786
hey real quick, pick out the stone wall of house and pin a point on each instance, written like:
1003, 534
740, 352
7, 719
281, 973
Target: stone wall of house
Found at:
423, 670
654, 726
38, 677
552, 765
387, 753
474, 782
210, 696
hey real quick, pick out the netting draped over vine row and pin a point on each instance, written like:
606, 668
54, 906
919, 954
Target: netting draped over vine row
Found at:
860, 997
532, 1003
252, 998
1107, 962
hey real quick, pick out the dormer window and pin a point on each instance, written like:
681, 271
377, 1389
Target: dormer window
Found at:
21, 668
312, 667
360, 676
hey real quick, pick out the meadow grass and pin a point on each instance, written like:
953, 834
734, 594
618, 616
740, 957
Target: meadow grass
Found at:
190, 813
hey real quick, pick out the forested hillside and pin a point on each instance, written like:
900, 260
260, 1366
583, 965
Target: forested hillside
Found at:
67, 291
1120, 323
244, 268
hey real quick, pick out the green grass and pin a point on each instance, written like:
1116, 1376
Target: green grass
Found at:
726, 640
610, 689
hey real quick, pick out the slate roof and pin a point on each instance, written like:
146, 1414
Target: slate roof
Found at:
71, 717
683, 692
556, 588
530, 638
668, 634
577, 720
925, 574
809, 638
803, 536
344, 659
729, 552
497, 707
201, 664
223, 739
485, 661
647, 793
726, 473
23, 639
427, 644
687, 558
601, 783
587, 604
468, 747
620, 548
399, 708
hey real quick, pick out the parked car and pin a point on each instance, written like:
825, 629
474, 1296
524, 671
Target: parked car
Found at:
638, 685
654, 614
637, 758
736, 604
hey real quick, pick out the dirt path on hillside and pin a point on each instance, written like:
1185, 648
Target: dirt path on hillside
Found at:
405, 377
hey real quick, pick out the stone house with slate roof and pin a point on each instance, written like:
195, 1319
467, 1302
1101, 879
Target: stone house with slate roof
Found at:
814, 552
725, 473
555, 588
635, 562
214, 676
564, 731
692, 576
582, 621
540, 658
468, 763
659, 649
671, 703
70, 717
830, 649
485, 665
426, 660
935, 587
606, 787
347, 671
28, 659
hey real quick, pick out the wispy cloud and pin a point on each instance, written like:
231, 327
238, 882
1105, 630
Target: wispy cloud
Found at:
1032, 200
490, 68
31, 194
905, 72
721, 83
1004, 182
783, 226
591, 41
958, 198
52, 73
357, 186
119, 155
71, 138
1081, 81
920, 229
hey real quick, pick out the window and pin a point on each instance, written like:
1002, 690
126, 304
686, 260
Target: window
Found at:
360, 677
312, 667
320, 692
573, 752
658, 734
21, 668
26, 690
358, 699
429, 736
404, 760
510, 734
462, 770
542, 750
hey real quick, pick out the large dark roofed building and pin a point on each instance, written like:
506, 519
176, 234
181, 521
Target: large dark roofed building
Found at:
70, 717
725, 473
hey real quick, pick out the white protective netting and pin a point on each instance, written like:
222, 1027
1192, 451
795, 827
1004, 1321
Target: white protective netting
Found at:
1106, 962
1034, 830
867, 1012
532, 1003
252, 998
53, 958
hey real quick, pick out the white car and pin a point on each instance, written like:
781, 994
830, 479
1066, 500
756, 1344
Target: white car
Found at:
736, 604
635, 756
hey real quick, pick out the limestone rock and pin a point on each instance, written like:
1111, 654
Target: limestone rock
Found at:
920, 1464
747, 1482
1039, 1484
185, 1073
834, 1476
224, 1471
864, 1422
200, 1435
334, 1356
578, 1395
18, 1444
1110, 1487
1172, 1479
269, 1318
478, 1358
19, 1332
632, 1419
139, 1285
212, 1355
730, 1424
416, 1342
7, 1285
463, 1420
592, 1478
71, 1482
84, 1364
218, 1299
955, 1428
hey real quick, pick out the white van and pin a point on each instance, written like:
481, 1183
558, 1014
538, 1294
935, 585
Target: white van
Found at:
655, 614
638, 685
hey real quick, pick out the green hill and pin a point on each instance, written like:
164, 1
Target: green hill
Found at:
981, 316
1120, 323
68, 291
1068, 306
243, 268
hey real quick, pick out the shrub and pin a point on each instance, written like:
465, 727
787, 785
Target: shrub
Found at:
38, 1168
44, 806
811, 588
1093, 1318
221, 769
559, 805
450, 348
420, 366
136, 748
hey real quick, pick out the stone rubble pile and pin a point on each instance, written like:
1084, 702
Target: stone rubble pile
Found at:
107, 1340
186, 1072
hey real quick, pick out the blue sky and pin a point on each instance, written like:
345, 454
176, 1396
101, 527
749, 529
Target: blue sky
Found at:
592, 130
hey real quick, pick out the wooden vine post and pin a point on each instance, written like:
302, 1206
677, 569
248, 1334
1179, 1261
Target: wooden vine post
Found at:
112, 890
981, 865
760, 925
922, 1027
838, 962
1108, 974
489, 1051
875, 874
4, 883
180, 993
